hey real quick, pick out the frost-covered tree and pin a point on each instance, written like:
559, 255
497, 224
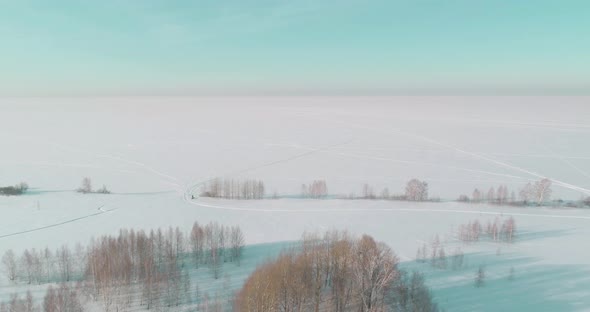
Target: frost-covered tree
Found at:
416, 190
10, 265
542, 191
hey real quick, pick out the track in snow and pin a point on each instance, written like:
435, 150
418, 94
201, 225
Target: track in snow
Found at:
100, 211
419, 210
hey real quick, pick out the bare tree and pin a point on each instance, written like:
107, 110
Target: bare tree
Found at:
64, 262
476, 196
509, 229
37, 266
480, 277
318, 189
491, 195
103, 190
368, 192
86, 186
197, 243
408, 293
463, 198
416, 190
27, 263
442, 259
10, 266
542, 191
236, 243
457, 259
48, 264
64, 299
527, 193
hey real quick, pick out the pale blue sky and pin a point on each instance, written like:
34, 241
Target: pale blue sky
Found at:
181, 47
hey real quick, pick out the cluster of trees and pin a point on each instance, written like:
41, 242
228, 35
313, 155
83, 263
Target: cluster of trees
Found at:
149, 262
408, 293
157, 264
18, 304
437, 256
333, 272
152, 268
498, 230
18, 189
234, 189
44, 266
61, 299
86, 187
214, 244
538, 192
317, 189
500, 196
415, 190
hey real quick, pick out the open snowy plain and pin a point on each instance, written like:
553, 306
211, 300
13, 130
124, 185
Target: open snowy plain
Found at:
155, 153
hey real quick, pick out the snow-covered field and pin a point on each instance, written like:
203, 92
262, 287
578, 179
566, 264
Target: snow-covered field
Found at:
154, 152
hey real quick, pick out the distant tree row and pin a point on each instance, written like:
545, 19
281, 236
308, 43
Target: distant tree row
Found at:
234, 189
498, 230
500, 196
415, 190
18, 189
335, 272
86, 187
537, 193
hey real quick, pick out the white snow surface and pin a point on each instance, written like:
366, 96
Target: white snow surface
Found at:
153, 153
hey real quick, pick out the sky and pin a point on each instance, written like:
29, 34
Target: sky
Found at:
305, 47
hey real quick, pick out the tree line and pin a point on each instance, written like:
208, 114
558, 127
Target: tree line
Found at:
536, 193
415, 190
498, 230
17, 189
234, 189
134, 266
318, 189
86, 187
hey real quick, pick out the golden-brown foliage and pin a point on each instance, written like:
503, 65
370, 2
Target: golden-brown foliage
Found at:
334, 272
